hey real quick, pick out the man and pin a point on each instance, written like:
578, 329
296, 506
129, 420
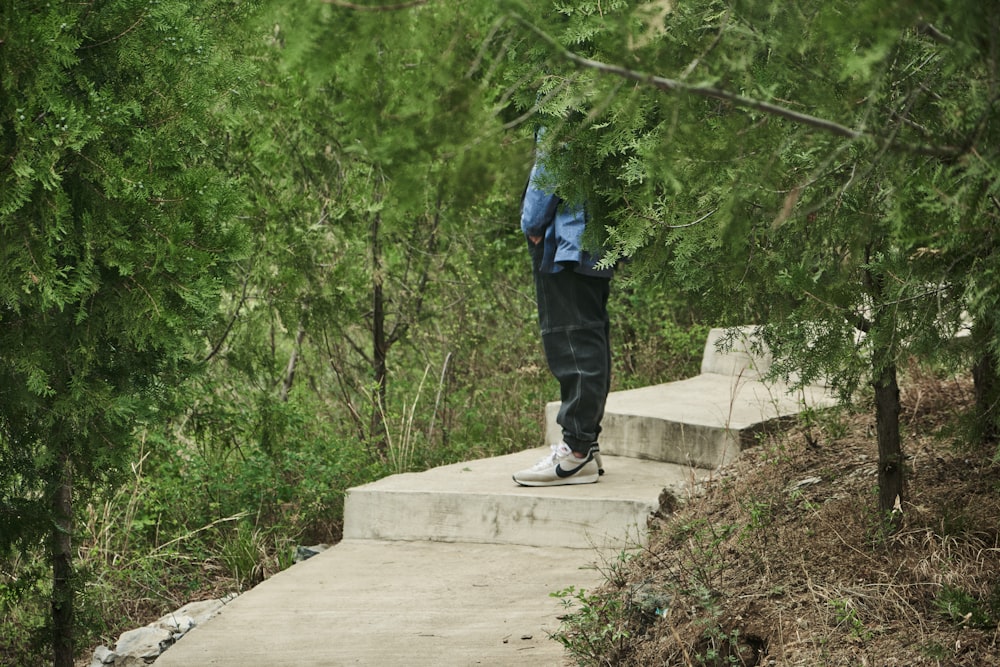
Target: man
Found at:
572, 299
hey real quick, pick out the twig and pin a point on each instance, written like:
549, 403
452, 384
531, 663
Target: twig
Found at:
194, 532
118, 36
232, 321
375, 8
437, 398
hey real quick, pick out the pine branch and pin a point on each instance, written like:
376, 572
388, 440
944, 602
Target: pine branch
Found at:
673, 85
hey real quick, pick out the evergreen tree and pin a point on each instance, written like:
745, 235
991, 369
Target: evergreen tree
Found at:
117, 229
825, 169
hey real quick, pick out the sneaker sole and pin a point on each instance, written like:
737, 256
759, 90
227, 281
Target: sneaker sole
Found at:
589, 479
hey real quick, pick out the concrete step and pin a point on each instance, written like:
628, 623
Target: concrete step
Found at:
702, 422
706, 420
398, 604
478, 502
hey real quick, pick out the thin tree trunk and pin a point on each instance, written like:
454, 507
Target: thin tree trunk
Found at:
286, 387
891, 475
62, 560
380, 347
986, 377
891, 479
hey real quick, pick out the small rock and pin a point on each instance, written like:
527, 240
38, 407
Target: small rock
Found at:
305, 553
176, 623
668, 502
103, 656
199, 612
139, 647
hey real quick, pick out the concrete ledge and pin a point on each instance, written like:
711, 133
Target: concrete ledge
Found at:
703, 421
478, 502
699, 422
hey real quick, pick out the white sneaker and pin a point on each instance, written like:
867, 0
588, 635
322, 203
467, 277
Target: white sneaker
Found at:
560, 467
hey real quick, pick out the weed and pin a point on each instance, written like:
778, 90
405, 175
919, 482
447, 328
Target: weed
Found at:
798, 498
935, 651
595, 629
964, 609
243, 550
955, 519
719, 647
702, 548
761, 515
879, 525
846, 615
776, 450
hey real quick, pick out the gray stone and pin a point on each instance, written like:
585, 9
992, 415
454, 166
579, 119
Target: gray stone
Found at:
142, 646
103, 656
194, 614
176, 623
305, 553
802, 483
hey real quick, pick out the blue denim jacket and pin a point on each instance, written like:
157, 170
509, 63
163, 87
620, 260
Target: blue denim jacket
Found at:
560, 224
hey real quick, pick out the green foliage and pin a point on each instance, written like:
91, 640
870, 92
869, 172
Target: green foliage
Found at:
117, 233
780, 168
759, 215
347, 184
965, 609
117, 228
594, 629
657, 336
847, 616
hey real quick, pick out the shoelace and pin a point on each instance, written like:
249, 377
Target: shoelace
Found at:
553, 458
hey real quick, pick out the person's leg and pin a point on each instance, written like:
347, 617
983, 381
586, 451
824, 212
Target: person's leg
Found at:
573, 317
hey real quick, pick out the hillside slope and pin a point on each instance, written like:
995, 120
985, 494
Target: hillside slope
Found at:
781, 561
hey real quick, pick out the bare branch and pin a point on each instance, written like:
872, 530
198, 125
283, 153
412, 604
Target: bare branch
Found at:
292, 363
111, 39
375, 8
229, 327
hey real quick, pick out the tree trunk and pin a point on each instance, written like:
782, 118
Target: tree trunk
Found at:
380, 347
891, 476
986, 377
293, 360
62, 560
891, 479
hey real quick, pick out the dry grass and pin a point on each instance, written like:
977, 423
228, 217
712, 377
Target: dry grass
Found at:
782, 560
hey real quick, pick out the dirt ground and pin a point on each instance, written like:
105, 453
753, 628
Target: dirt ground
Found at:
782, 560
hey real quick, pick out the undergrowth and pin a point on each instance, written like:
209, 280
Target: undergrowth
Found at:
218, 496
782, 559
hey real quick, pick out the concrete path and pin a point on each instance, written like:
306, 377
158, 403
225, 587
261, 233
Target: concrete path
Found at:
407, 587
457, 565
368, 602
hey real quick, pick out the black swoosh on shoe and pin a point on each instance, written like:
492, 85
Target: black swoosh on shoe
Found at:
563, 473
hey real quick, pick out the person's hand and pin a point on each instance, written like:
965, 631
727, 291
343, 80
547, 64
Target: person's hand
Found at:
535, 239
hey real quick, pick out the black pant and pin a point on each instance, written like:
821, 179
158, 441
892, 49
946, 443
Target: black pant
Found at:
573, 317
